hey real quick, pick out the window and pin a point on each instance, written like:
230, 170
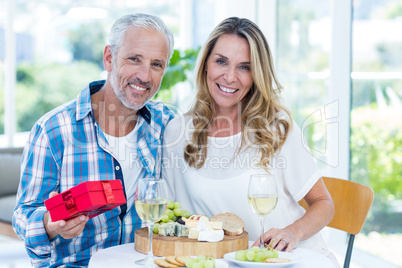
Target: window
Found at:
303, 48
3, 9
376, 125
303, 40
59, 49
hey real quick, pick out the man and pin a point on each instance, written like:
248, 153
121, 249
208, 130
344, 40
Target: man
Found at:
111, 131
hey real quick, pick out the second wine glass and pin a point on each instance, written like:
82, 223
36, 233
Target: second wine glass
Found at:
262, 197
151, 204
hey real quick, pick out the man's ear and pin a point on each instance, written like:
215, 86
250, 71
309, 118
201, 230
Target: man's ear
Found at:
107, 58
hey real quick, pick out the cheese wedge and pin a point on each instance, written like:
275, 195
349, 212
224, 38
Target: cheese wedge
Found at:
193, 233
211, 236
204, 224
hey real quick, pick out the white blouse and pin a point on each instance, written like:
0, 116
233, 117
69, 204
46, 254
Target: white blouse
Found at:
221, 184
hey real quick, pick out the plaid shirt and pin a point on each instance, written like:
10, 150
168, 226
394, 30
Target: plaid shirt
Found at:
67, 147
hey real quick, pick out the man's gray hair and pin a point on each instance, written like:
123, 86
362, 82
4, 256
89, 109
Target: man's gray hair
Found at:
140, 20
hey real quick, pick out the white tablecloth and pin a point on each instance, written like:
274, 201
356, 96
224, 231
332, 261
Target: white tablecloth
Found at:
124, 256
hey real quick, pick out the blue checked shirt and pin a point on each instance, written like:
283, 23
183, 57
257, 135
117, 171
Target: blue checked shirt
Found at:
67, 147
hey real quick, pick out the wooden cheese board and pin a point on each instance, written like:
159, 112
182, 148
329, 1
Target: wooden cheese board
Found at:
179, 246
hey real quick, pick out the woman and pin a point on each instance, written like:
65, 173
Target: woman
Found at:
236, 128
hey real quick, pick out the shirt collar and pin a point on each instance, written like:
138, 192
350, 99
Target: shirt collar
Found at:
84, 106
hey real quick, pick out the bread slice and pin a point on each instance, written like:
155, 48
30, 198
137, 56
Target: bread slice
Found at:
231, 223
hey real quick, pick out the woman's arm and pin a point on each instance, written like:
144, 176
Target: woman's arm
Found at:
320, 213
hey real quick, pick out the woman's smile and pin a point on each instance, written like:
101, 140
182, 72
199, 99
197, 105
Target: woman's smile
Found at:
227, 89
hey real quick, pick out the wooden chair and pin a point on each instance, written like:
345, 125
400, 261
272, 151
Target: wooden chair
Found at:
352, 202
7, 230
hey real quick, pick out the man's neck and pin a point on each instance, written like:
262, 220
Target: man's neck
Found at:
113, 118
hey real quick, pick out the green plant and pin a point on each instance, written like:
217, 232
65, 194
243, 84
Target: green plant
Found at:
42, 87
180, 69
376, 150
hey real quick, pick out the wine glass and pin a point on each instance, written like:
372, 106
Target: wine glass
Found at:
262, 197
151, 204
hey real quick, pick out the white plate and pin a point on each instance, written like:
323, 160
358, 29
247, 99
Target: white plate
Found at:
221, 264
293, 257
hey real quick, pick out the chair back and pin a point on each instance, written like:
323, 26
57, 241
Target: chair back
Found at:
352, 202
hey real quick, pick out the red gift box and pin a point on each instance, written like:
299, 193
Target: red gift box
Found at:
88, 198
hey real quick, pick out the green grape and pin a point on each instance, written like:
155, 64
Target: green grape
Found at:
201, 258
209, 264
177, 212
177, 205
185, 213
198, 265
174, 218
269, 254
274, 253
241, 255
156, 228
256, 254
250, 255
201, 262
255, 249
190, 262
165, 218
170, 214
170, 204
259, 257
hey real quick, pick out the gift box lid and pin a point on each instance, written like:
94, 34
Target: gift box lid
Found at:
80, 189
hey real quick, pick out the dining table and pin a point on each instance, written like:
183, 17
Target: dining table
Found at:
124, 256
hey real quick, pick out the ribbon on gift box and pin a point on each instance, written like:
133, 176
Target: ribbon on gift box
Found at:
108, 191
69, 202
71, 207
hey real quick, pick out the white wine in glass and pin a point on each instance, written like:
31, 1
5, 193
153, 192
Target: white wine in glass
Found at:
151, 204
262, 197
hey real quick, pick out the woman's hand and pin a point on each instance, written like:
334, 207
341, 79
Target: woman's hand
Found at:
280, 239
320, 212
67, 229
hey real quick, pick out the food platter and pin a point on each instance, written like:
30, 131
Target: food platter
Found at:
293, 257
177, 246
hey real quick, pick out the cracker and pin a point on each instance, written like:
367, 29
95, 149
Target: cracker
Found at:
172, 260
164, 263
182, 259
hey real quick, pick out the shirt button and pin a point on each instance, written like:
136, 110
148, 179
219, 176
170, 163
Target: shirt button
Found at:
117, 168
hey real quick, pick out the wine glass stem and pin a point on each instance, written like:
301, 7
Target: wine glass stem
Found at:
262, 232
150, 232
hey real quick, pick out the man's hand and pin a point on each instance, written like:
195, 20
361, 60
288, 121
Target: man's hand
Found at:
67, 229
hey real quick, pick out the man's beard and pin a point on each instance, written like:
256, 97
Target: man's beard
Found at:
122, 95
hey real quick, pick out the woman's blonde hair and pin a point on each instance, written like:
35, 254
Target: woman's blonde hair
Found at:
261, 124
